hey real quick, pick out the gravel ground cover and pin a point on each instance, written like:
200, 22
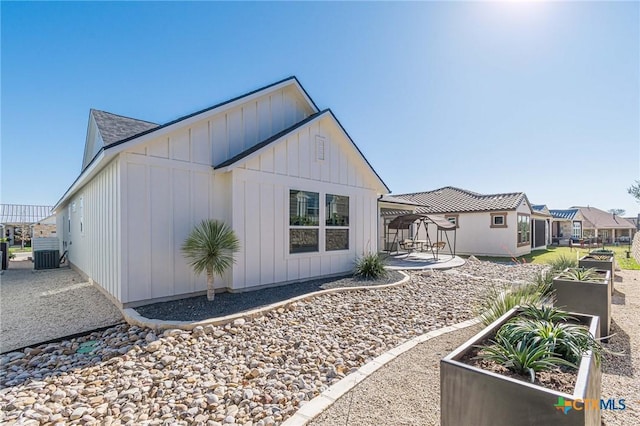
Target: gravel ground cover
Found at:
621, 374
377, 399
250, 372
406, 391
199, 308
37, 306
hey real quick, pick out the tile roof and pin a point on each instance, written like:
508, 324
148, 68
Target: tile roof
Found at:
538, 207
394, 212
452, 200
599, 219
114, 128
396, 200
567, 214
16, 213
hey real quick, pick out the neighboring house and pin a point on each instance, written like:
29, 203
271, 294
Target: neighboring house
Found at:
44, 228
605, 226
17, 221
540, 226
286, 176
487, 224
565, 225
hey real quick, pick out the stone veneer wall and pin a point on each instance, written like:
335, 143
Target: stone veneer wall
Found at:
635, 247
43, 230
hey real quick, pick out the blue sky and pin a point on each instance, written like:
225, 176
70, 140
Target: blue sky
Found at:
492, 97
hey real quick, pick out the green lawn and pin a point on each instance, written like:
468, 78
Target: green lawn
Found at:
546, 256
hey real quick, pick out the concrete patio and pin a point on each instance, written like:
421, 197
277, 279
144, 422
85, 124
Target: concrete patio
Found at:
423, 260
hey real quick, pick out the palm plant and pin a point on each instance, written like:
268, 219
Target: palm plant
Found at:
210, 248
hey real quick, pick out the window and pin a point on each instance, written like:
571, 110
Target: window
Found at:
577, 230
304, 215
453, 218
337, 222
524, 229
498, 220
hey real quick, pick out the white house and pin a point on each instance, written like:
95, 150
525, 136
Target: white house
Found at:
487, 224
283, 174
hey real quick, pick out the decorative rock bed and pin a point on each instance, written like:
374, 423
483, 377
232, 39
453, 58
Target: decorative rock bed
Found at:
256, 371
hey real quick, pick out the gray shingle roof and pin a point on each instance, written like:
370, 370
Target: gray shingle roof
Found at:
17, 213
453, 200
599, 219
114, 128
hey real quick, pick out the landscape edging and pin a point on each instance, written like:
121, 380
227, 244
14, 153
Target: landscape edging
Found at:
132, 317
317, 405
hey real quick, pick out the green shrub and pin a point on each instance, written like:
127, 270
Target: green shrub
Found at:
525, 357
370, 267
561, 263
541, 339
496, 302
581, 274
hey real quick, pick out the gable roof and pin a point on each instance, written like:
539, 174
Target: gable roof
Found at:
111, 123
452, 200
278, 136
20, 213
540, 209
599, 219
114, 128
238, 157
221, 104
567, 214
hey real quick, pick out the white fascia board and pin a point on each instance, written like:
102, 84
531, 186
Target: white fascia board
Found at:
102, 159
206, 114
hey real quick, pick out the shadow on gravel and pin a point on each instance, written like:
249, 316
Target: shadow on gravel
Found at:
620, 342
199, 308
618, 298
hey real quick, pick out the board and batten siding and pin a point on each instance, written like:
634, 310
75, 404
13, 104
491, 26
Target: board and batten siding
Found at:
261, 206
92, 236
169, 187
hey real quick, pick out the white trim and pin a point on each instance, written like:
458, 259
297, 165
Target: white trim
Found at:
109, 152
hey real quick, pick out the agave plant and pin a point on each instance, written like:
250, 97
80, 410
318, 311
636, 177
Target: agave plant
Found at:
601, 257
546, 313
525, 357
581, 274
569, 341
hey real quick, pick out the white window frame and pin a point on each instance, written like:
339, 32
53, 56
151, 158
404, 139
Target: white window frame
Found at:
322, 227
337, 227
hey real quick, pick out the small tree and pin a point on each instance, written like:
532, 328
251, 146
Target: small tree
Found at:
634, 190
210, 248
617, 212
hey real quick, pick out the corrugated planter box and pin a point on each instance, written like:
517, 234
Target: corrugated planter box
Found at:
473, 396
593, 298
589, 261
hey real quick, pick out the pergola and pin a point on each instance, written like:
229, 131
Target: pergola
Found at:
443, 226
